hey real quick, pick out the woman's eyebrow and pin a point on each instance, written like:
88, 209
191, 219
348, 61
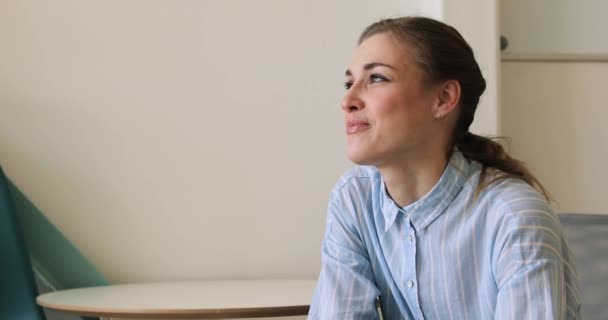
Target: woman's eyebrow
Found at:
369, 66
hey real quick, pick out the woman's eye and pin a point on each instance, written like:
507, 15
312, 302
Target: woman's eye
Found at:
348, 84
376, 78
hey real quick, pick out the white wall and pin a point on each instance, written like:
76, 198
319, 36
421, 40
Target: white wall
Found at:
555, 114
194, 139
555, 111
181, 140
555, 26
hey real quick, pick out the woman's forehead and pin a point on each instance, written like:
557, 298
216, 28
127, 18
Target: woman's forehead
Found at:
382, 48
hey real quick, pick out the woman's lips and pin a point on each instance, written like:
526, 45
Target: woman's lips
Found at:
354, 126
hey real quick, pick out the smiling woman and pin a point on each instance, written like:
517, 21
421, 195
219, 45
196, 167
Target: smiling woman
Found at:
438, 222
388, 95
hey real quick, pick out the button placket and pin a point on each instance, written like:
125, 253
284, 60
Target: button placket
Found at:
411, 286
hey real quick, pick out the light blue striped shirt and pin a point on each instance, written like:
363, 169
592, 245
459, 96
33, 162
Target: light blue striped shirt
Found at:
445, 256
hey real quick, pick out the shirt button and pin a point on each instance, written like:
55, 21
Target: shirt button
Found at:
410, 237
410, 284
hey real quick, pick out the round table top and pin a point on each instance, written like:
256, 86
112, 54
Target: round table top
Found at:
202, 299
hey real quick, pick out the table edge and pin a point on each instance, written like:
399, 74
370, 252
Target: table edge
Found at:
216, 313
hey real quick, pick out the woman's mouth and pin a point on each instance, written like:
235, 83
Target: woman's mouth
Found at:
354, 126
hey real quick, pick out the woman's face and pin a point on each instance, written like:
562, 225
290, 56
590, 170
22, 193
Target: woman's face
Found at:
387, 106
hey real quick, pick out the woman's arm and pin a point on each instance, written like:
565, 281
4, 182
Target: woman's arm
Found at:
530, 268
346, 287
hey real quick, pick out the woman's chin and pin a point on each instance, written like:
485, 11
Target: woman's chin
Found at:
359, 157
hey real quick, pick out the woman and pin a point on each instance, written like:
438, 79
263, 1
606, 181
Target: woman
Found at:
438, 222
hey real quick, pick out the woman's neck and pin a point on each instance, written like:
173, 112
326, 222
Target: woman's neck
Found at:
408, 180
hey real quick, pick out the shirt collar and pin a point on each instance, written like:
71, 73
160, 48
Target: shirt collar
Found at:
426, 209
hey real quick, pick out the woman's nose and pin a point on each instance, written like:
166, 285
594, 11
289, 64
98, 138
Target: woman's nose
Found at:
351, 101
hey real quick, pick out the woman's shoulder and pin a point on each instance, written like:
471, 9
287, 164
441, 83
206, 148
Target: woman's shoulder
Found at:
514, 205
513, 194
351, 196
357, 179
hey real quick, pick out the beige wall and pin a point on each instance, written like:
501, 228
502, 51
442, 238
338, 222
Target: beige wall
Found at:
555, 26
556, 114
177, 140
181, 139
554, 111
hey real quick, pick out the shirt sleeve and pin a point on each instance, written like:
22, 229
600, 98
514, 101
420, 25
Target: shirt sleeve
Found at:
346, 288
529, 266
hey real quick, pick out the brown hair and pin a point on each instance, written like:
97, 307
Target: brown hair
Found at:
443, 54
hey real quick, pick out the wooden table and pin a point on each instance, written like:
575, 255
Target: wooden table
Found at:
186, 300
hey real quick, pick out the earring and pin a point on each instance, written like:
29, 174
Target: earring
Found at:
438, 115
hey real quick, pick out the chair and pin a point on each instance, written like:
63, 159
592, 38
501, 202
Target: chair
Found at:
587, 236
17, 287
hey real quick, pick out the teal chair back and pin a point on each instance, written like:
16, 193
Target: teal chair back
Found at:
17, 287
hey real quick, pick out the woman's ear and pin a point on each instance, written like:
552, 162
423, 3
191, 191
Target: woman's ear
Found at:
448, 96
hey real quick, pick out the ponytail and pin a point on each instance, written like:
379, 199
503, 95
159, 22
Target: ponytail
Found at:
492, 154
